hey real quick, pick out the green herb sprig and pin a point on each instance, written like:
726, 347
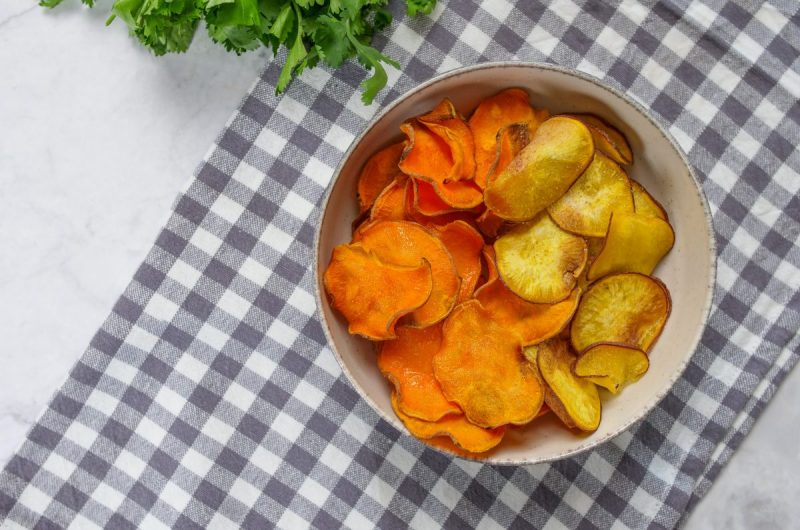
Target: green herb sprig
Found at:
331, 31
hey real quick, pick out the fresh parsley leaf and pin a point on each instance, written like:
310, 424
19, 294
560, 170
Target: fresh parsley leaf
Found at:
331, 41
371, 58
333, 31
414, 7
297, 52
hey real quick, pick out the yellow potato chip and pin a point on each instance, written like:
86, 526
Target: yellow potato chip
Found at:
611, 366
628, 308
561, 148
539, 261
635, 243
601, 190
645, 204
607, 138
574, 400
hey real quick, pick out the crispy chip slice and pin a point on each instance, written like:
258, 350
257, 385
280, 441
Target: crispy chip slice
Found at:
601, 190
607, 138
362, 287
594, 245
635, 243
489, 223
465, 245
539, 261
379, 171
446, 444
480, 367
645, 204
428, 157
490, 262
628, 308
427, 202
407, 362
390, 205
511, 139
611, 366
561, 148
445, 122
574, 400
406, 243
492, 114
464, 434
531, 323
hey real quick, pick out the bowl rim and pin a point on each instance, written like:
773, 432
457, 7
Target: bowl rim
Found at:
709, 228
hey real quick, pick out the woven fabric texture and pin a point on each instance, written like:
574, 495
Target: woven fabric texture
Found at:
210, 399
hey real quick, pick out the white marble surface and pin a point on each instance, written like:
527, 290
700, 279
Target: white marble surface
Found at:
96, 138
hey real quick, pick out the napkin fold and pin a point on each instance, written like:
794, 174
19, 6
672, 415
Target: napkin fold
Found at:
210, 399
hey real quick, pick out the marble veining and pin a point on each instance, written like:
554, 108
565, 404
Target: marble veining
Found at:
97, 138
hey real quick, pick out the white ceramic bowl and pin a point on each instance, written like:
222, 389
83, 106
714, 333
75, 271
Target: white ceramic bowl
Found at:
688, 270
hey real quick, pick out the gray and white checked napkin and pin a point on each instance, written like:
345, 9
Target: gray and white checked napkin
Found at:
209, 398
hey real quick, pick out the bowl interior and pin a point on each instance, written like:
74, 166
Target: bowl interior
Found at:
688, 270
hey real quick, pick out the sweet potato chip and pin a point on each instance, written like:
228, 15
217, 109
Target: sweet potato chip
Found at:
480, 367
489, 223
445, 122
645, 204
407, 362
611, 366
635, 243
607, 138
539, 261
362, 287
465, 245
561, 148
511, 139
379, 171
464, 434
390, 205
446, 444
492, 114
427, 202
628, 308
407, 243
490, 261
428, 157
601, 190
531, 323
574, 400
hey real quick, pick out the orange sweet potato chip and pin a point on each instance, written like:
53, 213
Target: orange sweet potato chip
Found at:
445, 122
490, 261
481, 368
379, 171
465, 245
427, 202
531, 322
407, 362
390, 205
464, 434
511, 139
361, 287
489, 223
428, 157
407, 243
495, 112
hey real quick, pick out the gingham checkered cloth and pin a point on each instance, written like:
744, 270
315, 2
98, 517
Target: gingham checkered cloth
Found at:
209, 398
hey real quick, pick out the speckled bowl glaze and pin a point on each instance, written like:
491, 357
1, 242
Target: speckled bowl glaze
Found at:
660, 165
